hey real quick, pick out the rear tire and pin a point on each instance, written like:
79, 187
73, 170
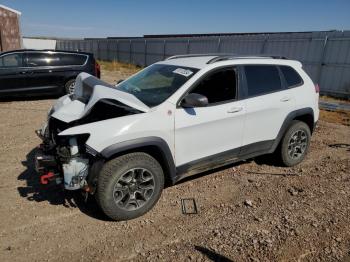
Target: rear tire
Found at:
70, 86
295, 143
129, 186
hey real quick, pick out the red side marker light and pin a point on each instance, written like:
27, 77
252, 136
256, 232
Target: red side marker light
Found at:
317, 88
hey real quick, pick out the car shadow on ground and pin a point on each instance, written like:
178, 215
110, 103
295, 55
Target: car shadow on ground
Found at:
54, 194
20, 98
206, 173
340, 145
213, 256
261, 160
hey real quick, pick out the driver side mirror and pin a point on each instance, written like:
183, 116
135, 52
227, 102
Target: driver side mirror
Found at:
194, 100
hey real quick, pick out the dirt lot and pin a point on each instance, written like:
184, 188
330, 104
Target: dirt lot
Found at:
251, 211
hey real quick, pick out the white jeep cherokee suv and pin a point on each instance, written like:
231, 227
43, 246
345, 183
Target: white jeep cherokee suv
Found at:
175, 118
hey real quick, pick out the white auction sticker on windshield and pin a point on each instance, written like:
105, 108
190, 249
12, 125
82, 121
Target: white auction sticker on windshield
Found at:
184, 72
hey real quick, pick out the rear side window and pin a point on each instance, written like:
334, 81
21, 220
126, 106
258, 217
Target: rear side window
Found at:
11, 60
262, 79
41, 59
54, 59
291, 76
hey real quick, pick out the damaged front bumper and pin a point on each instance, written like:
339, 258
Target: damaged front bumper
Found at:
47, 167
65, 164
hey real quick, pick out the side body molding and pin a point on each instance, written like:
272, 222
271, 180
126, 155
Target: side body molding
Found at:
157, 142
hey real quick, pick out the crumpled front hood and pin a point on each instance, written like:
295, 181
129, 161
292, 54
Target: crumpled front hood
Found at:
88, 91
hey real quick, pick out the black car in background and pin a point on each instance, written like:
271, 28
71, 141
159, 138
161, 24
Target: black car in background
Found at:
43, 72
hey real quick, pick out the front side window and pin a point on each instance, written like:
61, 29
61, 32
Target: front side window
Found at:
291, 76
219, 86
11, 60
262, 79
156, 83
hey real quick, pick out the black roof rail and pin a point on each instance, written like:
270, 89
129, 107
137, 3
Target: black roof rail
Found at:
45, 50
197, 55
278, 56
223, 57
230, 57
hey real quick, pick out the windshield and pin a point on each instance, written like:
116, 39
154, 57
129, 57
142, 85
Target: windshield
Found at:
157, 82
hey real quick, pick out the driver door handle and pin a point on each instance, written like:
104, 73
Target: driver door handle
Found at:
234, 110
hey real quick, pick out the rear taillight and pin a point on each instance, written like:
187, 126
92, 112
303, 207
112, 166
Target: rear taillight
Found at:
317, 88
97, 70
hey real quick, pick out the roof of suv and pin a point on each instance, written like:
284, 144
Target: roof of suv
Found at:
45, 50
203, 60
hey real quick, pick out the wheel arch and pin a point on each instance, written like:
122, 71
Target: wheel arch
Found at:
307, 119
154, 146
305, 115
69, 78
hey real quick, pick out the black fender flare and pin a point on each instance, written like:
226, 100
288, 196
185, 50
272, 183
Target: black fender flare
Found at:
157, 142
287, 121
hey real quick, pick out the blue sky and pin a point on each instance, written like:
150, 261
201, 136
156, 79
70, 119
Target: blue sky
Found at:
78, 18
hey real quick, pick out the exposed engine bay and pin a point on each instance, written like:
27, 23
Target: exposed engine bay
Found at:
67, 159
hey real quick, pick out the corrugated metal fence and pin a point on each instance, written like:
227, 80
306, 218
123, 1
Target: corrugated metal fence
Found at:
325, 55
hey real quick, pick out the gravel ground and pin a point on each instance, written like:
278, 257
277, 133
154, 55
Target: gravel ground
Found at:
251, 211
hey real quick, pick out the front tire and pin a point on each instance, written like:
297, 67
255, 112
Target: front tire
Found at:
129, 186
295, 143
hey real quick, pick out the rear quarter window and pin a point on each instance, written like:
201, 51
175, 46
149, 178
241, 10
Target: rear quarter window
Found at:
262, 79
71, 59
291, 76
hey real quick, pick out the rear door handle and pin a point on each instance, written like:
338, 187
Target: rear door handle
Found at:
22, 72
235, 109
286, 99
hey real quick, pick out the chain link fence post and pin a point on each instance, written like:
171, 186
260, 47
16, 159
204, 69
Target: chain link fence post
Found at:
262, 51
145, 55
130, 46
219, 45
117, 52
321, 62
164, 46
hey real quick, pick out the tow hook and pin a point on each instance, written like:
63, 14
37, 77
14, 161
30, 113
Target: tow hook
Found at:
47, 177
